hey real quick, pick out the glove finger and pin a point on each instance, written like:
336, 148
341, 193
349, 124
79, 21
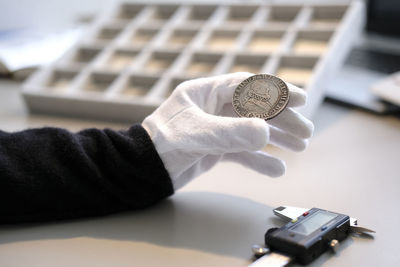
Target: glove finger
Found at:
259, 161
294, 123
226, 134
297, 96
285, 140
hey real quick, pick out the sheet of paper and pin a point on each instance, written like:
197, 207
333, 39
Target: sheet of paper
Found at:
24, 50
388, 88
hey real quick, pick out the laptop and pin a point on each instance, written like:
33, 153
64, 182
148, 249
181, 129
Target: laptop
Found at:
374, 56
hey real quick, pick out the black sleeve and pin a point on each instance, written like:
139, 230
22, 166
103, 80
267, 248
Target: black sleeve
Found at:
51, 173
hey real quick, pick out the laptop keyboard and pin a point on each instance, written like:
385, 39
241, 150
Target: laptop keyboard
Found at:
374, 60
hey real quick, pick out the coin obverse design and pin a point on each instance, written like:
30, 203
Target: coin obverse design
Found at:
260, 96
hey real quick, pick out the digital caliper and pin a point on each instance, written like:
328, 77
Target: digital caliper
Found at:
307, 235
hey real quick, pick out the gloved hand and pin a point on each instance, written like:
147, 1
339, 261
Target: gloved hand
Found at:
196, 127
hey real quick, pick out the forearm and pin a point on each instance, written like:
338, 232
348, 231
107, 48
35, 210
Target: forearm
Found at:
51, 173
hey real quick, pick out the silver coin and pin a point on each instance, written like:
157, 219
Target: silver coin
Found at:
260, 96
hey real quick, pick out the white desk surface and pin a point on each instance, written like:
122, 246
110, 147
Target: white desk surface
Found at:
351, 166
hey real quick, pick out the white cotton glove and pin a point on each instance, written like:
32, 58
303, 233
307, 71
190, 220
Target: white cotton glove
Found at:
196, 127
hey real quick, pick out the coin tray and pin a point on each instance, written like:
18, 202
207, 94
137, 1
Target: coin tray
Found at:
61, 79
314, 42
283, 14
202, 63
263, 41
135, 54
137, 86
249, 63
297, 70
330, 17
119, 59
84, 55
97, 82
201, 12
180, 38
222, 40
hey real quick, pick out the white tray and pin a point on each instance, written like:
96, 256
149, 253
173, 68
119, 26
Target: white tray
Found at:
136, 54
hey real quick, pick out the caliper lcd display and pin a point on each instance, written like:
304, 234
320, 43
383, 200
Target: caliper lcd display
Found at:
317, 220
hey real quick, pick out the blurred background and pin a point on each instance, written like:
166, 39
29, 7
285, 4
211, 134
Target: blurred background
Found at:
347, 53
35, 34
